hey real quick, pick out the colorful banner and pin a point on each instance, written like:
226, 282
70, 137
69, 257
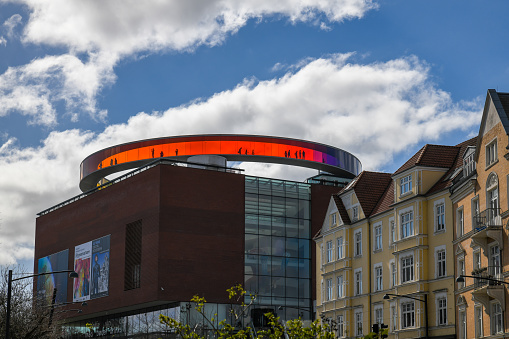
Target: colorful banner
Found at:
47, 283
91, 262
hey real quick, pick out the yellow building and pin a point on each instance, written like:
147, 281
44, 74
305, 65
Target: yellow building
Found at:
391, 235
480, 213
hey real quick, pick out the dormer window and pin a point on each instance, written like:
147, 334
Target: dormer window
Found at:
355, 212
333, 219
468, 164
406, 184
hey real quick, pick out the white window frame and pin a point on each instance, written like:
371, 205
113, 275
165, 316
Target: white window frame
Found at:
407, 314
323, 254
495, 263
341, 286
462, 323
496, 318
491, 152
357, 281
461, 269
378, 311
476, 261
355, 213
333, 219
406, 222
460, 222
440, 262
394, 317
392, 231
330, 289
441, 308
405, 184
394, 272
378, 273
439, 215
341, 326
407, 268
475, 210
478, 320
358, 322
357, 236
340, 247
330, 251
377, 231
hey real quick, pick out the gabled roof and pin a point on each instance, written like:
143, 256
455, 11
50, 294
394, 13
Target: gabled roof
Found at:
384, 204
369, 188
431, 156
501, 103
446, 180
341, 209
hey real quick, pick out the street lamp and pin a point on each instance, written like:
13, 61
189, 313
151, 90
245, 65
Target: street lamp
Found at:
461, 279
425, 301
72, 274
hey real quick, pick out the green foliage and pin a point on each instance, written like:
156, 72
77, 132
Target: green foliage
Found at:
292, 329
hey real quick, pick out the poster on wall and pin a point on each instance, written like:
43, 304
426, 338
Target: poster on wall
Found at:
91, 262
47, 283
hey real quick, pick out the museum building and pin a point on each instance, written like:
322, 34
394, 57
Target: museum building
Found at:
183, 223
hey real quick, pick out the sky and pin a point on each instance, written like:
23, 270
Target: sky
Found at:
377, 78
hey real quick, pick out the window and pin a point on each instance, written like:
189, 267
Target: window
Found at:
358, 281
440, 260
497, 325
406, 184
378, 278
329, 289
407, 314
492, 200
460, 228
468, 164
494, 266
462, 324
329, 251
379, 314
378, 237
441, 311
478, 321
407, 224
355, 212
491, 152
333, 219
341, 326
393, 231
407, 268
341, 252
475, 210
323, 253
477, 259
439, 217
461, 271
341, 291
358, 243
393, 273
358, 323
394, 318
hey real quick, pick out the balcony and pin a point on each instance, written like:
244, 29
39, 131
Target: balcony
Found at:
488, 227
487, 290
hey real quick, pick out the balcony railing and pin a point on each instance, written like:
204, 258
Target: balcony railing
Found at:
490, 272
489, 218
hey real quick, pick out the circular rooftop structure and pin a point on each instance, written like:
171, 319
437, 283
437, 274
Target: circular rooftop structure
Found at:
244, 148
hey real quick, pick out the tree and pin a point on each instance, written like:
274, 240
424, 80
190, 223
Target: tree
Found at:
30, 318
292, 329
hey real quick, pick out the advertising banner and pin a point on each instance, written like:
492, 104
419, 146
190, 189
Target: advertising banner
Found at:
47, 283
91, 262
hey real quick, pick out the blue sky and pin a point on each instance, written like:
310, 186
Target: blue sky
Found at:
377, 78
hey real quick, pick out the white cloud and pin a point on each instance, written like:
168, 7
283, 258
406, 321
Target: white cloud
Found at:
372, 110
3, 41
11, 23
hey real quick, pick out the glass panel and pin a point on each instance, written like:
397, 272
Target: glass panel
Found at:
278, 206
278, 226
278, 188
251, 264
251, 223
292, 246
251, 243
292, 228
278, 246
304, 248
292, 288
251, 185
264, 224
263, 287
264, 186
251, 204
304, 288
304, 268
264, 244
278, 266
292, 208
304, 191
304, 229
304, 207
292, 269
278, 287
291, 189
264, 204
264, 265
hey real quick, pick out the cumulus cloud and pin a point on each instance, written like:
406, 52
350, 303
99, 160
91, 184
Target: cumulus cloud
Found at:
11, 23
372, 110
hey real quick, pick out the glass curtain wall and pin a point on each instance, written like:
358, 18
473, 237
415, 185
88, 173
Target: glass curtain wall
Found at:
277, 246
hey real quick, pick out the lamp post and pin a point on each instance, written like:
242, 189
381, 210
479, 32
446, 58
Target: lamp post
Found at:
72, 274
461, 279
425, 301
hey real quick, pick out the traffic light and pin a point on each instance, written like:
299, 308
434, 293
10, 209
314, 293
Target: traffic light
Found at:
375, 328
384, 333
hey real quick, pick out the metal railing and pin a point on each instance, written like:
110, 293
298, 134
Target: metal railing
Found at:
483, 274
487, 219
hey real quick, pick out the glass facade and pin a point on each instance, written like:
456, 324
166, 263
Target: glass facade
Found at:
277, 246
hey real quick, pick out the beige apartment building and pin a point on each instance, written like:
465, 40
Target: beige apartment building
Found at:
392, 235
481, 211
